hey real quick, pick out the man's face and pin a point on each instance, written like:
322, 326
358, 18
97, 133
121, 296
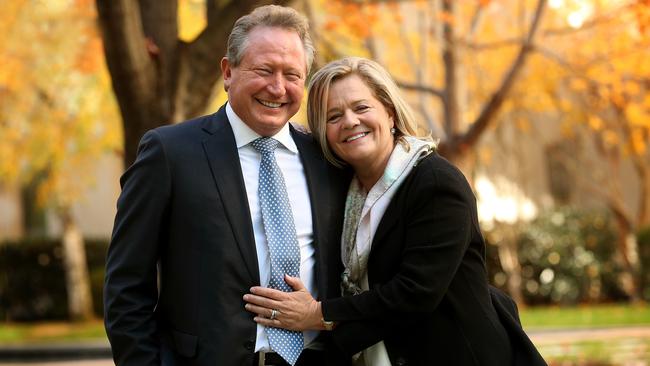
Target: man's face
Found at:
266, 88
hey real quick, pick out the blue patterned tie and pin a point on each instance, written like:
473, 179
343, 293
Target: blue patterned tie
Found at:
282, 239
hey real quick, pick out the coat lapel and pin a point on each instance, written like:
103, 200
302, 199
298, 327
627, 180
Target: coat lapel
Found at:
388, 220
221, 151
319, 194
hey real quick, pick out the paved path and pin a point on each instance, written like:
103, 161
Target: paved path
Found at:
618, 346
82, 354
554, 336
65, 363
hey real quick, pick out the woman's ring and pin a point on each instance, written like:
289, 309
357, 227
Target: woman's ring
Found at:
273, 314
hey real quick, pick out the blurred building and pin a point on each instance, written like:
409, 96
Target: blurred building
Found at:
94, 212
519, 172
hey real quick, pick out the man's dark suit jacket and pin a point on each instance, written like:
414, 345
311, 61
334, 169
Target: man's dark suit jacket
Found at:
183, 214
429, 298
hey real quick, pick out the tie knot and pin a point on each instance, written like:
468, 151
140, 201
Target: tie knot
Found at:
265, 145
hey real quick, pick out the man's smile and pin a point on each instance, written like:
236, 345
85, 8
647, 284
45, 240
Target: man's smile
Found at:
270, 104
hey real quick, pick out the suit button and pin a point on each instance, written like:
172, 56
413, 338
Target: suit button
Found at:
400, 362
249, 345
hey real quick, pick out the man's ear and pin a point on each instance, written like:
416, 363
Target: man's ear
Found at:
226, 73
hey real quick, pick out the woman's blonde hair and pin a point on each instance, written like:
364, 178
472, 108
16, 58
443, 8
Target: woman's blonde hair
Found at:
380, 83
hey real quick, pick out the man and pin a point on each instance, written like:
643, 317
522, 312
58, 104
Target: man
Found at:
204, 215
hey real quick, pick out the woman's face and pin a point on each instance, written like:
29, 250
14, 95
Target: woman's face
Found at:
358, 124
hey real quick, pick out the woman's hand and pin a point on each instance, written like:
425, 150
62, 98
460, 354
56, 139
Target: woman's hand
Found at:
295, 310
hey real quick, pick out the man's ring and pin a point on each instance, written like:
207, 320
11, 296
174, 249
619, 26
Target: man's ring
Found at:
273, 314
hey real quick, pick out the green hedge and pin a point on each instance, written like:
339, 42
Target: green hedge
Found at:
32, 279
567, 256
577, 246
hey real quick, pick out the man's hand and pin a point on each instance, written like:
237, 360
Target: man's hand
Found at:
295, 310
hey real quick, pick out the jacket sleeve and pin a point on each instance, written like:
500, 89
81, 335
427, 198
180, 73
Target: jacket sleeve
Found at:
130, 290
438, 221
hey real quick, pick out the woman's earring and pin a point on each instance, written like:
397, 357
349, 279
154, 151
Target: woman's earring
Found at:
392, 131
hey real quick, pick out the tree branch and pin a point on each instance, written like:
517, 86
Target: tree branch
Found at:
420, 71
419, 87
506, 42
130, 65
451, 65
640, 166
476, 19
492, 106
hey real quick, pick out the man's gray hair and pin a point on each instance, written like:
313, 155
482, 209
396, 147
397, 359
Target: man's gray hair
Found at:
269, 16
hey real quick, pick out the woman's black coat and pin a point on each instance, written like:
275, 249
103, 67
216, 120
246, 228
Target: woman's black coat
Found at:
429, 298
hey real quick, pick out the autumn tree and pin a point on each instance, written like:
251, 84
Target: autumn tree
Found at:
158, 77
470, 66
587, 78
441, 53
55, 117
603, 86
429, 48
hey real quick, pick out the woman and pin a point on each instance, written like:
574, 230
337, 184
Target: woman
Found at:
415, 288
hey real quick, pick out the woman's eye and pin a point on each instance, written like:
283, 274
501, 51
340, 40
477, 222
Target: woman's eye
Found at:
362, 108
332, 118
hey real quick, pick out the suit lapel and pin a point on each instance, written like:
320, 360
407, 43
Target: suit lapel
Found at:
319, 194
221, 151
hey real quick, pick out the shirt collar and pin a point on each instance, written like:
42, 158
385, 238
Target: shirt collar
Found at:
244, 135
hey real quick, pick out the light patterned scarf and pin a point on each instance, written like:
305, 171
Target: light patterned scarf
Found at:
359, 204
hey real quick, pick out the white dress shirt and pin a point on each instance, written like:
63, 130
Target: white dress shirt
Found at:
288, 159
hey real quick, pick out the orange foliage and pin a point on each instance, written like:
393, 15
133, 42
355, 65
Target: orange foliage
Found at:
330, 25
355, 18
446, 17
89, 58
642, 12
57, 112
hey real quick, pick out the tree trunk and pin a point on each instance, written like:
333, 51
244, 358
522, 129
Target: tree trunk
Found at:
628, 249
33, 218
451, 91
157, 78
610, 192
509, 258
626, 221
644, 197
80, 304
643, 173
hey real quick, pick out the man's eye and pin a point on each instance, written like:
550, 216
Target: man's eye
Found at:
293, 77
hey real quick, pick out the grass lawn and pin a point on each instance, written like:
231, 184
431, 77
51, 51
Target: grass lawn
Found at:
50, 332
615, 352
532, 318
585, 316
620, 351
